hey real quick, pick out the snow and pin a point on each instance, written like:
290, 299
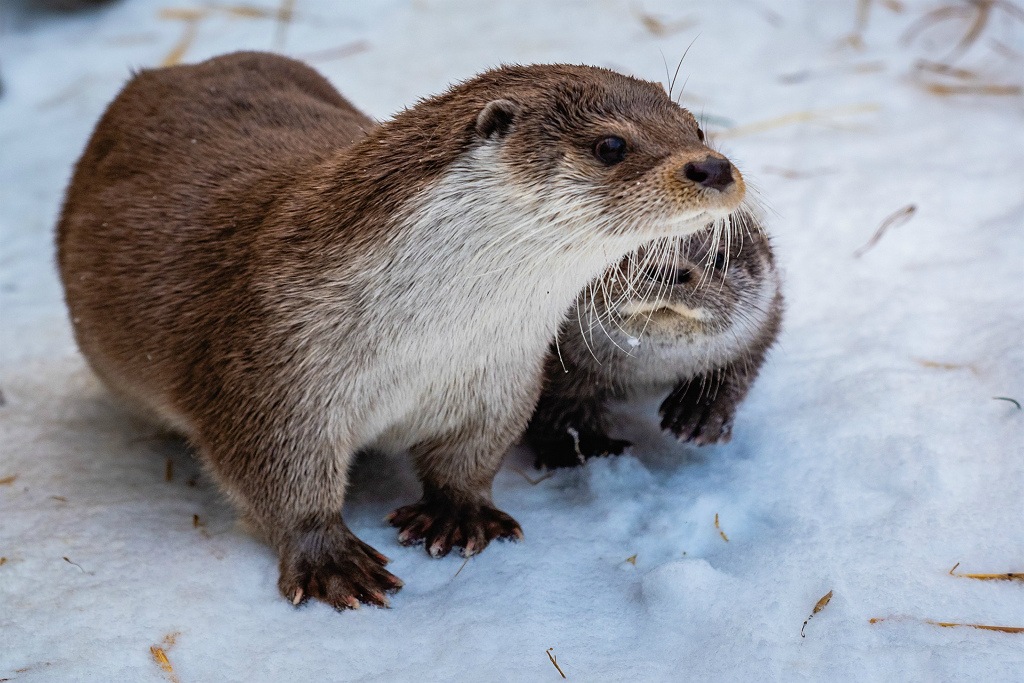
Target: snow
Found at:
868, 460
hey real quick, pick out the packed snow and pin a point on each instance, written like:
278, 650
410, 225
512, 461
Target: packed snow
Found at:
870, 458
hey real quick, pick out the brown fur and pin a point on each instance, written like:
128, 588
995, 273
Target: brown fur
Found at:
251, 260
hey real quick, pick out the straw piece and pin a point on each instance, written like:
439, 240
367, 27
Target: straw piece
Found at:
806, 116
554, 660
898, 217
818, 606
720, 532
1006, 576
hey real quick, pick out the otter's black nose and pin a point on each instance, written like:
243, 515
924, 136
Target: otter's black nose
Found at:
712, 172
669, 275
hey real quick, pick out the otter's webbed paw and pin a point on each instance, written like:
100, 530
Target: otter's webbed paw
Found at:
328, 563
700, 411
441, 522
573, 448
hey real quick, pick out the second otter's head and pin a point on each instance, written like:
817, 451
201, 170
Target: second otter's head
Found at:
712, 295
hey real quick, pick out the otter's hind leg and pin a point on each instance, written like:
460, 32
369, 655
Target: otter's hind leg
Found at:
456, 508
291, 483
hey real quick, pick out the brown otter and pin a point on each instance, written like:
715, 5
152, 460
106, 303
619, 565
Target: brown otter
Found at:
250, 260
688, 317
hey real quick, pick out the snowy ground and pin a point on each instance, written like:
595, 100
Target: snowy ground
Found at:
870, 457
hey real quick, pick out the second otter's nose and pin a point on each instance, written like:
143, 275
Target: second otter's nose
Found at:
712, 172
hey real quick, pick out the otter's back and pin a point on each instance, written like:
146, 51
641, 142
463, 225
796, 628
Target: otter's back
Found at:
168, 197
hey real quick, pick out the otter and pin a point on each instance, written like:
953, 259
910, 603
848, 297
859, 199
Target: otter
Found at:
690, 317
253, 262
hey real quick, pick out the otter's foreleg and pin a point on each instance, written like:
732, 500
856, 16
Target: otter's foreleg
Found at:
290, 482
456, 510
701, 409
565, 433
568, 425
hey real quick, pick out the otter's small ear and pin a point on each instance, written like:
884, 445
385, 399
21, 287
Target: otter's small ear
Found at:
496, 118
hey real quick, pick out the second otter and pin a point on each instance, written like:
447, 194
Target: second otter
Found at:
688, 317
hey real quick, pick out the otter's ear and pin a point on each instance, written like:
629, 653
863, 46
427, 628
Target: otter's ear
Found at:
496, 118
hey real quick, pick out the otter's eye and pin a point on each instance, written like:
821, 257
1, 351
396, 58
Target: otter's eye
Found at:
719, 260
610, 150
700, 135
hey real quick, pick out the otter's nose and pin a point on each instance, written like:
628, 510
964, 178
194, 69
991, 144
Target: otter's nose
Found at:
670, 276
712, 172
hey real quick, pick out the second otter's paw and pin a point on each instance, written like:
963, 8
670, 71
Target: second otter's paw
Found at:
698, 414
444, 522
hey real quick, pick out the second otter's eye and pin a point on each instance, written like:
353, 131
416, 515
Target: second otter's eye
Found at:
610, 150
700, 135
719, 260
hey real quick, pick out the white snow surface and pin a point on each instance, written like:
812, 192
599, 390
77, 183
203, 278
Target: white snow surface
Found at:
870, 457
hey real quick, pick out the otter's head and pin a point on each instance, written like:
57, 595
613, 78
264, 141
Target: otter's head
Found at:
713, 294
591, 144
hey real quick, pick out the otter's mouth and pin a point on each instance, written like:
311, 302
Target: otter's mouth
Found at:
662, 310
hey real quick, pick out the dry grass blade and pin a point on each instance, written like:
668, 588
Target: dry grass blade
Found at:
977, 14
631, 559
340, 52
75, 564
177, 53
937, 15
937, 365
818, 606
3, 561
983, 14
159, 654
720, 532
863, 15
247, 11
1008, 576
285, 13
161, 658
944, 90
794, 174
808, 116
898, 217
554, 661
1008, 399
945, 70
7, 481
534, 482
1005, 50
659, 28
178, 14
955, 624
461, 567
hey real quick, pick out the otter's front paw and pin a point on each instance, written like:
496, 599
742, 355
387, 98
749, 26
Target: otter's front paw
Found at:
443, 522
698, 413
576, 447
329, 563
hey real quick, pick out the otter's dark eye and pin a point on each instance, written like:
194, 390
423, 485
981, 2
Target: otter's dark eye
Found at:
719, 260
700, 135
610, 150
